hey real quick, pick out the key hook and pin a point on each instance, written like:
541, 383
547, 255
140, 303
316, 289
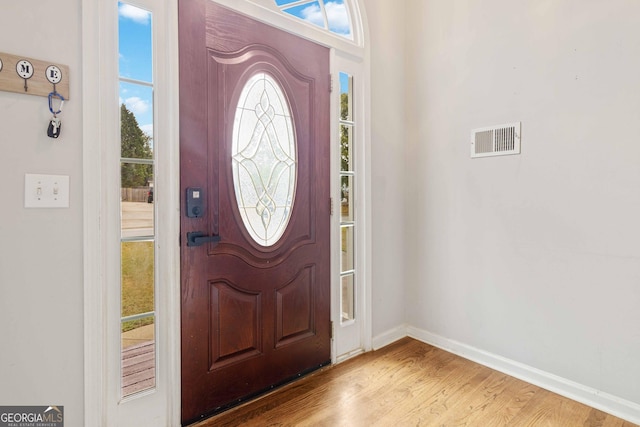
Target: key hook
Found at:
56, 95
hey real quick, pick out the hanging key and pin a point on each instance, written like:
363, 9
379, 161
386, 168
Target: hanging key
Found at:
53, 131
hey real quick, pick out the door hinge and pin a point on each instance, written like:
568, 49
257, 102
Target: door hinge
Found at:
330, 82
332, 330
331, 206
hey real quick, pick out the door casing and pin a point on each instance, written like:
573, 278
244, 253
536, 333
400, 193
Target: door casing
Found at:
102, 406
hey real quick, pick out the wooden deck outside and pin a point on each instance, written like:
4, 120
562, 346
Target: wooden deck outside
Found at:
138, 367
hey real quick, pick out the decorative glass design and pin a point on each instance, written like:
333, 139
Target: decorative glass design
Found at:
264, 159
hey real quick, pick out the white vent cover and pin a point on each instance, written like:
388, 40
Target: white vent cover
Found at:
496, 140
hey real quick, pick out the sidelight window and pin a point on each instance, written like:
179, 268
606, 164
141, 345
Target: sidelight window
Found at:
137, 196
347, 195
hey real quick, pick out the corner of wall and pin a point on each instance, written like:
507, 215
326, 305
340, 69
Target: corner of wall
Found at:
389, 337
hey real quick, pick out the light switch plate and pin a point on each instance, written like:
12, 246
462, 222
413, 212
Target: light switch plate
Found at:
46, 191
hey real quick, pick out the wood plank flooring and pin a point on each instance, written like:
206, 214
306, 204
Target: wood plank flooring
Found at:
410, 383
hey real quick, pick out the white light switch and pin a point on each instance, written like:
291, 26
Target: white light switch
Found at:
46, 191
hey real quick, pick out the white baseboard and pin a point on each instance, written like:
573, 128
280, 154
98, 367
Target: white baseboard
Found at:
605, 402
389, 337
349, 355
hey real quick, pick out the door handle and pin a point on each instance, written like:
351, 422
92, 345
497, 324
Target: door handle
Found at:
198, 238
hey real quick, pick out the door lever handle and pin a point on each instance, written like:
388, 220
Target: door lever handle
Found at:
198, 238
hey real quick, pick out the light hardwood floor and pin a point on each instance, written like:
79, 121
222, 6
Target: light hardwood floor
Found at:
410, 383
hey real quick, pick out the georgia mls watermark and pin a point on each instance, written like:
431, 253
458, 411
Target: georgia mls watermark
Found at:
31, 416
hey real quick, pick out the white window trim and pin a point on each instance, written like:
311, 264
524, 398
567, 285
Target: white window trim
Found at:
103, 404
362, 325
101, 214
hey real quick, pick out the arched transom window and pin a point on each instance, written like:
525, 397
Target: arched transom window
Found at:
332, 15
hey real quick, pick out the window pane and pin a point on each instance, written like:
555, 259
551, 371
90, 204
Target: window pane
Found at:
331, 15
346, 198
137, 279
135, 48
136, 121
346, 148
139, 359
346, 92
310, 12
136, 206
347, 249
337, 17
137, 311
347, 298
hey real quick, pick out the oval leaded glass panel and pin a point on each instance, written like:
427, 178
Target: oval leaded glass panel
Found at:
264, 159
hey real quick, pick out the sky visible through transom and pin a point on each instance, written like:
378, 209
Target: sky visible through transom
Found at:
331, 15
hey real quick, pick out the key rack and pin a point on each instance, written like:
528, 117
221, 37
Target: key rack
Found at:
33, 76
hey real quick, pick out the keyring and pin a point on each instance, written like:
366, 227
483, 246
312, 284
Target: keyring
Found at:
56, 95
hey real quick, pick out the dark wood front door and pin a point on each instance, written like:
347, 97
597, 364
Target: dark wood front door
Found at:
254, 147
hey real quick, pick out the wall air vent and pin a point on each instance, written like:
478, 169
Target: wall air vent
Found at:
496, 140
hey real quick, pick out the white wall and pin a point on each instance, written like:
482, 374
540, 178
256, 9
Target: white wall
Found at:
386, 31
535, 258
41, 287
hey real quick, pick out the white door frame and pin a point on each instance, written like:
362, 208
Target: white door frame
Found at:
161, 406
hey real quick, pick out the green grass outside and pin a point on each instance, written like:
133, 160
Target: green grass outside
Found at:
137, 282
